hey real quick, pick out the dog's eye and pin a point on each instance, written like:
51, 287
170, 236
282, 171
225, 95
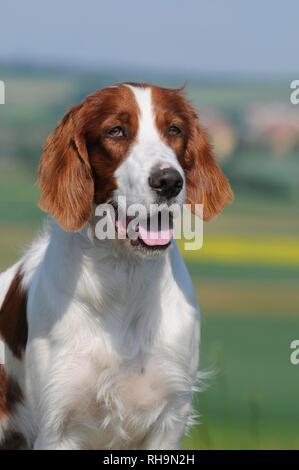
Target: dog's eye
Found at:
116, 132
173, 130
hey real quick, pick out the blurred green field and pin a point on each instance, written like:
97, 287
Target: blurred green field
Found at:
252, 398
246, 276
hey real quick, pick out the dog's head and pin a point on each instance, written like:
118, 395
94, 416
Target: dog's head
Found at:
134, 140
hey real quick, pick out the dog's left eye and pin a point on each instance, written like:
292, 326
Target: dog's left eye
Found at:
116, 132
173, 130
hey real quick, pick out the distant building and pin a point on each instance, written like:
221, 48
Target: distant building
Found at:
274, 125
222, 135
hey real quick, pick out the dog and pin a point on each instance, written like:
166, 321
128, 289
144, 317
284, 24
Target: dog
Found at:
102, 336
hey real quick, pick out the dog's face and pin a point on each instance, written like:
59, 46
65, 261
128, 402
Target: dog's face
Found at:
134, 140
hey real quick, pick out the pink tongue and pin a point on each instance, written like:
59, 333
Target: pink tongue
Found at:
156, 237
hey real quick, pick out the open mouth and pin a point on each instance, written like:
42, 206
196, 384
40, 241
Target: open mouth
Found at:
153, 233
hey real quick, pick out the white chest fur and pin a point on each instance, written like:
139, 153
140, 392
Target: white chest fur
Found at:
122, 347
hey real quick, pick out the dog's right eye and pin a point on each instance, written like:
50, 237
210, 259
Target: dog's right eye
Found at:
116, 132
173, 130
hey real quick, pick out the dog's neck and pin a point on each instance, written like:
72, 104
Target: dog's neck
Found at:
83, 250
124, 289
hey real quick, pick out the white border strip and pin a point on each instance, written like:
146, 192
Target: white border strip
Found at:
2, 92
2, 353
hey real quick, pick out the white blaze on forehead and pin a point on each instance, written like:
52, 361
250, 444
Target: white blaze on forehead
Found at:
148, 150
147, 128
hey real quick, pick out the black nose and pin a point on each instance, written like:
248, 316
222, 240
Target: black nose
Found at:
167, 182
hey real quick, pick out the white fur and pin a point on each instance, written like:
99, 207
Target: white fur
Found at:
112, 353
148, 151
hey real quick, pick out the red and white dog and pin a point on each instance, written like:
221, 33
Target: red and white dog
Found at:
102, 336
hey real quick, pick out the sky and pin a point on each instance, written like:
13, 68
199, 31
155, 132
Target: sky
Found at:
253, 37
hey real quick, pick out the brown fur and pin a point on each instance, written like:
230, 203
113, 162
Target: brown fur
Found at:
13, 441
78, 164
79, 161
65, 175
206, 184
13, 317
10, 393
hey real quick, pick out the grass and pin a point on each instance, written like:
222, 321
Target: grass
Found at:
252, 401
270, 249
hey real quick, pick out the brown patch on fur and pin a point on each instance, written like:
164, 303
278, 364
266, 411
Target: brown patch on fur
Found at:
10, 393
79, 160
13, 317
206, 184
65, 175
14, 441
105, 109
172, 109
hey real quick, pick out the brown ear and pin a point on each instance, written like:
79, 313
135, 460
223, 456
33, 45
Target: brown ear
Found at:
206, 184
65, 176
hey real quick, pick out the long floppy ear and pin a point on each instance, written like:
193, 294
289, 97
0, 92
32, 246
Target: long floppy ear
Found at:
65, 176
206, 184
